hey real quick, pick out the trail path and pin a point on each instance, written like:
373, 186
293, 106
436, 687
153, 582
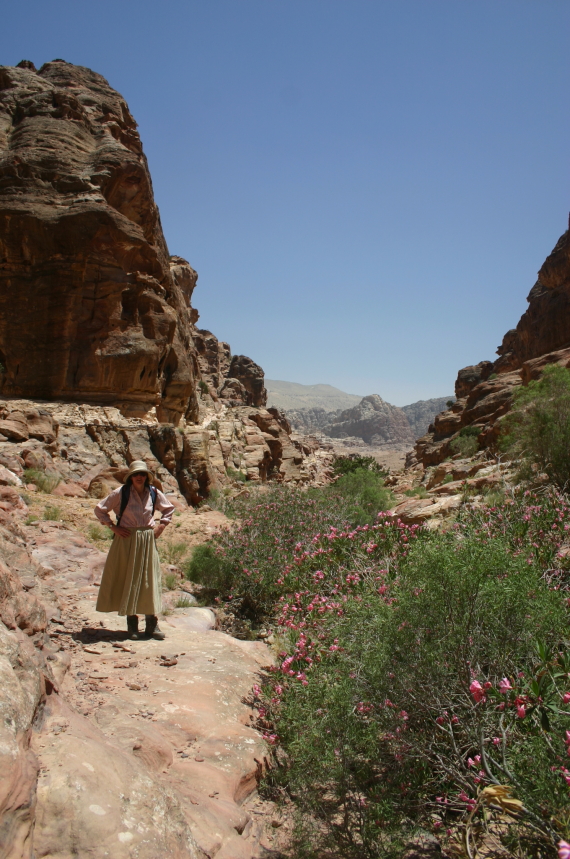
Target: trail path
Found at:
145, 748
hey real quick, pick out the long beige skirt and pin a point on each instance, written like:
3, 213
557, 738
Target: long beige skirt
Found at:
131, 581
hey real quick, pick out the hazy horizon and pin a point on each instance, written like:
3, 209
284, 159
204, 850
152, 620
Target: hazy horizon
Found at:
269, 382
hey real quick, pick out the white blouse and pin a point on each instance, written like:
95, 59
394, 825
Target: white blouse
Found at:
138, 512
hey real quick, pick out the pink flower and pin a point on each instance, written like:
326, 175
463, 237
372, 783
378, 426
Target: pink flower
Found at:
504, 686
566, 698
563, 850
477, 691
496, 741
521, 712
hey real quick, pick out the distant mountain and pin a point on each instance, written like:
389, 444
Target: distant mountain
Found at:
369, 418
291, 395
421, 414
376, 422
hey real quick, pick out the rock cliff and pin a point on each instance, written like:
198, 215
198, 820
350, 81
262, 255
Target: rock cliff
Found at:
421, 414
94, 311
484, 391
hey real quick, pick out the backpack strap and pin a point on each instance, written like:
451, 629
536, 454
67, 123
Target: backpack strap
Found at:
153, 497
125, 495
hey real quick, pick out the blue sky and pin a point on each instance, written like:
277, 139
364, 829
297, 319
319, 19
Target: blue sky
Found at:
366, 188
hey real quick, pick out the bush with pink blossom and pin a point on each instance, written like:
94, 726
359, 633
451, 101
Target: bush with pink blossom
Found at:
423, 680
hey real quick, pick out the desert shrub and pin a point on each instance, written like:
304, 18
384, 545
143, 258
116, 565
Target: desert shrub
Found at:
355, 462
204, 389
245, 564
537, 429
494, 496
98, 533
207, 566
448, 478
364, 493
236, 474
450, 403
467, 442
170, 581
30, 519
45, 482
183, 602
420, 669
418, 492
171, 553
52, 512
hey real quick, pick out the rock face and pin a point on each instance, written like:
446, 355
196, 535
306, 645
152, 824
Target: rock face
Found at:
421, 414
311, 420
89, 304
92, 306
95, 312
373, 420
484, 391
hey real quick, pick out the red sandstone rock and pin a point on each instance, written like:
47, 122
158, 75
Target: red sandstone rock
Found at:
83, 257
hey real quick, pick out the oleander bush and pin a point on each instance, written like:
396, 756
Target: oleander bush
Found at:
423, 681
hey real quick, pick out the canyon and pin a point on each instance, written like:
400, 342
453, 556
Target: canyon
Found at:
135, 749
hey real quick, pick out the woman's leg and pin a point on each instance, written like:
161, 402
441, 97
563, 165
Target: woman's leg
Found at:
133, 626
152, 629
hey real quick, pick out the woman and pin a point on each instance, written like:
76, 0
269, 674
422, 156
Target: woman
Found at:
131, 582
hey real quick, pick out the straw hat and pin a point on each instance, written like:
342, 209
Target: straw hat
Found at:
139, 467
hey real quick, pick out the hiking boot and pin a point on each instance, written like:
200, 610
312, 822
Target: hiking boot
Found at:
152, 629
133, 626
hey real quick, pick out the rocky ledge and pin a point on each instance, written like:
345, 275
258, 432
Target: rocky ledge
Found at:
112, 747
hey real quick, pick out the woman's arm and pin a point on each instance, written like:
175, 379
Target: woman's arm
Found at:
166, 510
112, 503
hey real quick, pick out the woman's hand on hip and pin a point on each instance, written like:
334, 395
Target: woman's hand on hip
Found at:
158, 530
122, 532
